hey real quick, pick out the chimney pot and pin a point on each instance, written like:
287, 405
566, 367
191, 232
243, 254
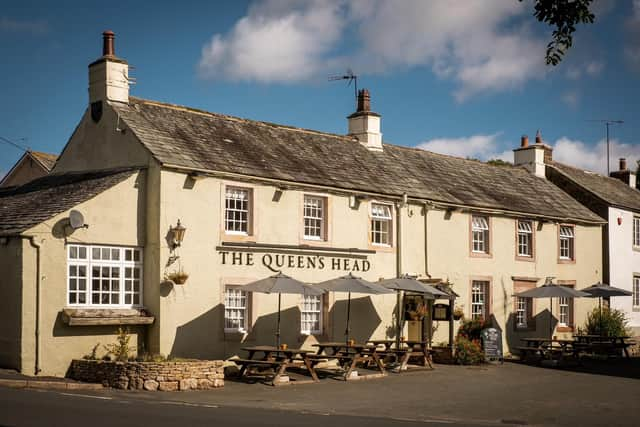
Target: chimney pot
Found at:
623, 164
364, 100
538, 137
524, 141
107, 43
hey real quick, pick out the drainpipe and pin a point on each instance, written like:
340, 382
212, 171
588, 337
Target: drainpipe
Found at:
37, 245
399, 269
426, 246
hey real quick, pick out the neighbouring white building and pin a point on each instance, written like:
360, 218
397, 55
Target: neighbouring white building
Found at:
613, 198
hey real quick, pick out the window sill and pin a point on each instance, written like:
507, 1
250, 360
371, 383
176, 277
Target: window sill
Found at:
106, 317
566, 261
525, 258
480, 255
564, 329
235, 335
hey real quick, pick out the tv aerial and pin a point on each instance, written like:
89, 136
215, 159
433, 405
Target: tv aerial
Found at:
350, 77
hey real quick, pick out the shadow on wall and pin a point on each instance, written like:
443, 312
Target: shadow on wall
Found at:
364, 319
202, 337
538, 327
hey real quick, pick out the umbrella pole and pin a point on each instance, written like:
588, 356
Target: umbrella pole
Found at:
398, 324
346, 332
551, 318
600, 320
278, 329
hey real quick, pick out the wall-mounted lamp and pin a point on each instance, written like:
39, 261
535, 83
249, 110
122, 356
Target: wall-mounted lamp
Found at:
619, 220
354, 201
277, 194
177, 233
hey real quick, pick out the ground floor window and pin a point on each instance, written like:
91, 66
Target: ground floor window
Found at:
563, 315
311, 314
636, 291
479, 299
236, 309
522, 305
104, 276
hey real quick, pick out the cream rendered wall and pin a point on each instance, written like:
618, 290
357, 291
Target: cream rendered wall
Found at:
624, 262
449, 259
192, 315
11, 293
100, 146
116, 216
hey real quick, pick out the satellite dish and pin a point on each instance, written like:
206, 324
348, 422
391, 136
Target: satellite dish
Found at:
76, 220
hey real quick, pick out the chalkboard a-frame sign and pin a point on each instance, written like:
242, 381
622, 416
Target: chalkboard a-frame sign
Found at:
492, 345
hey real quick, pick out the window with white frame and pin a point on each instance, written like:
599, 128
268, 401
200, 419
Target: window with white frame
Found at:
235, 309
237, 210
480, 234
564, 311
479, 299
567, 245
636, 231
311, 314
314, 217
636, 291
381, 224
525, 238
522, 311
104, 276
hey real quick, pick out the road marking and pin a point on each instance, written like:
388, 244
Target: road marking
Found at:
87, 396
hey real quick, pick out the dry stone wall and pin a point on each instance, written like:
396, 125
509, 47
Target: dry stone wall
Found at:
150, 376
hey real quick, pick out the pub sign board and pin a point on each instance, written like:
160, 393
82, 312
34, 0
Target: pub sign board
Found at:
441, 311
492, 344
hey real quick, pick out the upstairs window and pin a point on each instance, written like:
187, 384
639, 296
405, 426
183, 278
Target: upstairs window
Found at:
525, 239
567, 242
314, 218
380, 224
636, 231
104, 276
480, 234
237, 210
311, 314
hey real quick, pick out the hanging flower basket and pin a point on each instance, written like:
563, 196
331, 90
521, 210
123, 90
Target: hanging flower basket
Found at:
178, 277
458, 313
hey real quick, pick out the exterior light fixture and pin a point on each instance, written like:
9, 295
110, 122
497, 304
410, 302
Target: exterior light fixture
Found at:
178, 234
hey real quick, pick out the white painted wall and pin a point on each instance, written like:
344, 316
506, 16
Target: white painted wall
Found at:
624, 262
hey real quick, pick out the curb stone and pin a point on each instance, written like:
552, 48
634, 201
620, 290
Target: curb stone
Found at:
49, 385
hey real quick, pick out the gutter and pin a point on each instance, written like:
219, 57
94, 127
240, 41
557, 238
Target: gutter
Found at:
35, 244
435, 204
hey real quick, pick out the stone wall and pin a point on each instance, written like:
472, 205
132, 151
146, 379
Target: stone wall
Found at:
151, 376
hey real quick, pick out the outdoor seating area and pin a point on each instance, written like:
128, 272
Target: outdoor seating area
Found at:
573, 350
345, 360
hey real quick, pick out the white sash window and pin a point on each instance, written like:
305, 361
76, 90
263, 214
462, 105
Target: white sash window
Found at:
567, 242
480, 234
525, 239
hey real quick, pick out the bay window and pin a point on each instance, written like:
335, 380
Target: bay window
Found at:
104, 276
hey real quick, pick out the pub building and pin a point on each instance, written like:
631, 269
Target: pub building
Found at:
146, 193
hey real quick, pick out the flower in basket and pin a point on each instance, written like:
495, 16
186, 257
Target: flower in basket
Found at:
458, 312
418, 312
178, 277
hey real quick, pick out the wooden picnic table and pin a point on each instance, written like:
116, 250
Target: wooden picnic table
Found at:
278, 359
604, 342
408, 349
550, 348
349, 355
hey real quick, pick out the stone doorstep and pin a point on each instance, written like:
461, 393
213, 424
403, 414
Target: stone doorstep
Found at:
49, 385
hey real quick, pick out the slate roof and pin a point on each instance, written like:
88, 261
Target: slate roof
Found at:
610, 190
46, 159
41, 199
196, 139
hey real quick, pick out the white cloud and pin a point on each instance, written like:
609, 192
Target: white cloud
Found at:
590, 69
593, 157
571, 98
474, 43
23, 26
483, 147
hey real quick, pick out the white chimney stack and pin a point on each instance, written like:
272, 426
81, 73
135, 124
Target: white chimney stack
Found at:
364, 124
108, 75
624, 174
533, 156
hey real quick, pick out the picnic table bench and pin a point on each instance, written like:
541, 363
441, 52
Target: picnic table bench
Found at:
549, 349
349, 355
608, 345
409, 349
275, 361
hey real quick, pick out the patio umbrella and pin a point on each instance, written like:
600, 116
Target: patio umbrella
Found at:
281, 284
351, 283
551, 290
409, 284
602, 290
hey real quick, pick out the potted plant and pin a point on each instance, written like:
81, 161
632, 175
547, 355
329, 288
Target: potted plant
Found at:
418, 312
458, 312
178, 277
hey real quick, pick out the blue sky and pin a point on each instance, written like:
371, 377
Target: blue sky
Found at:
465, 78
